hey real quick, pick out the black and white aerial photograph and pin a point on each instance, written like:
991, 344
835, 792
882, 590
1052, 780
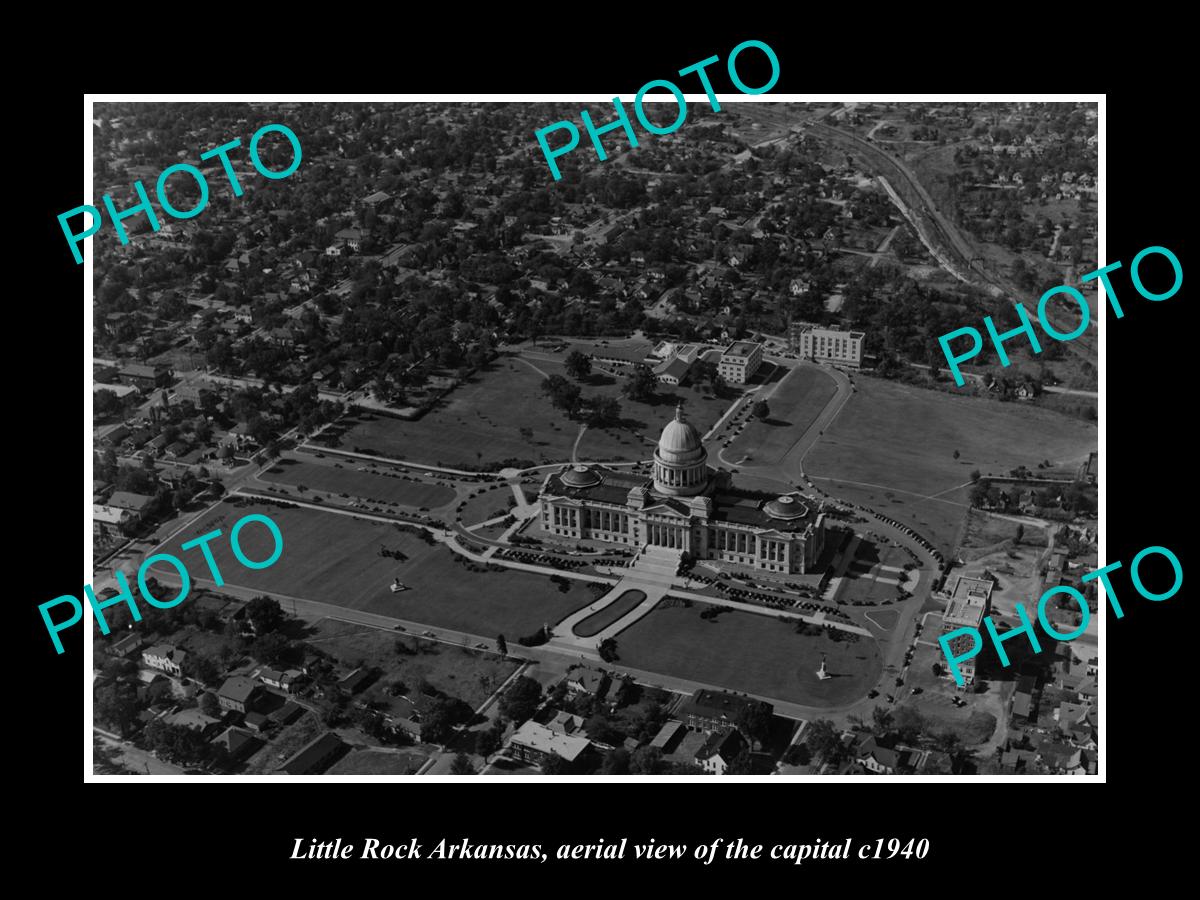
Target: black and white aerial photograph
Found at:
657, 468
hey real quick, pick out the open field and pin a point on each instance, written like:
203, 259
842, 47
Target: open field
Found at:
351, 478
872, 577
469, 674
479, 423
797, 401
892, 448
335, 559
748, 652
600, 620
378, 762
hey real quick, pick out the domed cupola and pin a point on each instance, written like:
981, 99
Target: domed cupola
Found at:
680, 461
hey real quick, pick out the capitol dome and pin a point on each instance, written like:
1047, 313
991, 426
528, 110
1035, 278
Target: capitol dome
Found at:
680, 462
679, 438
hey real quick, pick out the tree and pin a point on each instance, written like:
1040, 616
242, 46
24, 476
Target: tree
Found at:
616, 763
209, 705
106, 403
488, 742
881, 721
271, 648
754, 721
501, 645
824, 741
760, 409
578, 365
956, 454
1020, 533
608, 649
641, 384
462, 765
975, 475
646, 761
742, 764
555, 765
264, 614
520, 701
563, 394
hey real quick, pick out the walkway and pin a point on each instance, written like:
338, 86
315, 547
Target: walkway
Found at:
652, 573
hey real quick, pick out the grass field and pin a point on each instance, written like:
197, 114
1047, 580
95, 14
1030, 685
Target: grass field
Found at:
378, 762
479, 423
892, 448
335, 559
598, 621
870, 578
747, 652
471, 675
323, 475
797, 401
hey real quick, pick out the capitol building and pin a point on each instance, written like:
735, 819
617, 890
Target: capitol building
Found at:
686, 506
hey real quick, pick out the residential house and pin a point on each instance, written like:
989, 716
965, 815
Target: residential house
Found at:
720, 750
286, 680
882, 760
566, 723
237, 742
127, 645
237, 693
588, 681
166, 658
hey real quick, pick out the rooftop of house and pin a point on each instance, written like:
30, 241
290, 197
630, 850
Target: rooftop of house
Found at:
725, 744
238, 688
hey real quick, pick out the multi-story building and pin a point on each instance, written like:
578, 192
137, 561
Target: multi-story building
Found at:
843, 348
740, 361
536, 743
967, 602
685, 506
713, 711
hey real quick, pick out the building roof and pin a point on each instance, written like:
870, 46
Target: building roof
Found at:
739, 350
1022, 704
128, 643
565, 722
109, 514
128, 500
725, 744
543, 740
676, 368
167, 651
589, 679
967, 602
313, 756
238, 688
679, 436
136, 370
719, 704
355, 680
667, 734
234, 739
191, 718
